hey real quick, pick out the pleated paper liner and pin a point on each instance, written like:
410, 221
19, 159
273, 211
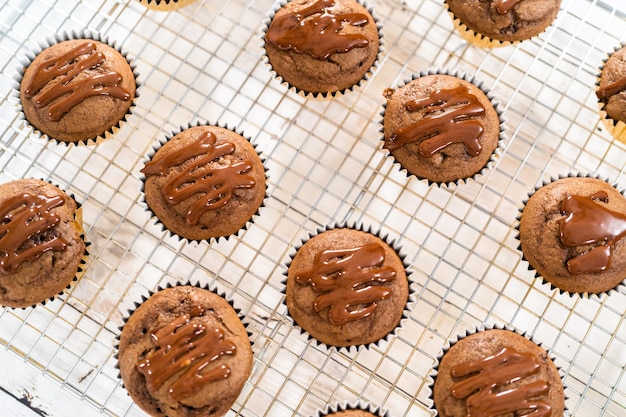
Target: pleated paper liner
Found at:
214, 238
107, 131
166, 5
494, 155
78, 221
177, 289
351, 345
555, 393
617, 127
350, 409
616, 284
321, 94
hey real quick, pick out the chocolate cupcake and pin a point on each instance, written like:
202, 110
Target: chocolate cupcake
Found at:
322, 47
611, 93
497, 372
42, 247
205, 182
184, 352
78, 89
165, 5
571, 232
441, 126
347, 287
492, 23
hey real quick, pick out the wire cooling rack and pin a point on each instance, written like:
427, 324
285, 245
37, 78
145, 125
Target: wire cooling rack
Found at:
204, 62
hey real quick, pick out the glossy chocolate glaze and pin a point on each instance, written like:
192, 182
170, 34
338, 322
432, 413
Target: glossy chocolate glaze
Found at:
27, 229
346, 278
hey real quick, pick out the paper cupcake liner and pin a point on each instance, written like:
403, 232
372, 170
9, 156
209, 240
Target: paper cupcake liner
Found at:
150, 293
478, 39
357, 405
321, 95
166, 139
480, 328
617, 128
620, 287
80, 271
495, 103
165, 5
60, 37
411, 299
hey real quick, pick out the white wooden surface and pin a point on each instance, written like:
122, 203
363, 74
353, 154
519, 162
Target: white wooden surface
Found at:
10, 406
26, 392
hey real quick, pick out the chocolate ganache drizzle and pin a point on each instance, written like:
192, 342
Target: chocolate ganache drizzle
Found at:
216, 181
26, 229
611, 89
447, 119
505, 6
185, 349
346, 278
589, 222
486, 380
69, 90
314, 30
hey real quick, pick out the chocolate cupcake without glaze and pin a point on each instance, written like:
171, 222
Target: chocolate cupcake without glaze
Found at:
441, 127
497, 372
77, 90
322, 46
41, 242
184, 352
490, 23
205, 182
347, 287
571, 232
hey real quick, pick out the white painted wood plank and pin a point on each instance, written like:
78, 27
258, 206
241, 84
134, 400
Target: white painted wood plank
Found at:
9, 406
23, 380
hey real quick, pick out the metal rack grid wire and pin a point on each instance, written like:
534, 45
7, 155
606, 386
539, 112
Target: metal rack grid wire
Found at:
204, 62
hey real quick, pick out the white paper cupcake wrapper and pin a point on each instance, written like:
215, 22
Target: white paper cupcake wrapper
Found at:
355, 405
